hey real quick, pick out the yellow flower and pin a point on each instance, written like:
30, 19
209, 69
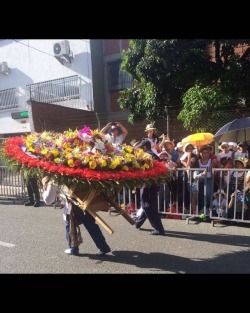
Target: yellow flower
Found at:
86, 159
92, 164
44, 151
58, 142
57, 160
129, 149
71, 162
65, 145
112, 166
55, 152
103, 163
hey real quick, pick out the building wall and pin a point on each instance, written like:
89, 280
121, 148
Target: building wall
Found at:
238, 50
98, 74
33, 61
57, 118
112, 49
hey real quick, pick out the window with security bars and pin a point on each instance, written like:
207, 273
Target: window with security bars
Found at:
8, 99
117, 78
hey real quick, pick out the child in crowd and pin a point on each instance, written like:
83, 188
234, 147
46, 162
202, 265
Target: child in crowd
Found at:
237, 202
219, 204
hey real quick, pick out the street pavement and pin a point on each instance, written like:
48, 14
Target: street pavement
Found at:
32, 240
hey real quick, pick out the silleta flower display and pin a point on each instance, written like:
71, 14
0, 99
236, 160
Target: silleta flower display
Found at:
83, 155
91, 169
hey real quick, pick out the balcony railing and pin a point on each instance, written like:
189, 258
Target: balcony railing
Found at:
8, 99
69, 91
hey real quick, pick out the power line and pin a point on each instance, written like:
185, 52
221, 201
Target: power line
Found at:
33, 48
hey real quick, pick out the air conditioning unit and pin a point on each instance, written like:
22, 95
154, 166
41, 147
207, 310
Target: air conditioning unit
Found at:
61, 48
4, 68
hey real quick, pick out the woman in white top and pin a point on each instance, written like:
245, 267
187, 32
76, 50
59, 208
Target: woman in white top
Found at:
153, 138
117, 132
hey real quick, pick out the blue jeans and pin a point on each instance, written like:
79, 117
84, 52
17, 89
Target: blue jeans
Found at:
149, 203
93, 229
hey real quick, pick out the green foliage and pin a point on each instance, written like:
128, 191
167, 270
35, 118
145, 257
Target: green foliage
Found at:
182, 75
203, 101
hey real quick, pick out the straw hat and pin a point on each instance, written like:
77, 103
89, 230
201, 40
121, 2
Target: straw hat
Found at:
205, 147
186, 145
220, 191
179, 145
242, 160
149, 127
166, 154
134, 143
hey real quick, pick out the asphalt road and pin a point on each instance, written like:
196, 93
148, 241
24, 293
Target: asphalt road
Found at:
32, 240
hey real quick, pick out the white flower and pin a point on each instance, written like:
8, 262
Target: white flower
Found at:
99, 144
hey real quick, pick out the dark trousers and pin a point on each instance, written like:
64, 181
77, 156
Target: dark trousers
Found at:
33, 190
92, 228
149, 203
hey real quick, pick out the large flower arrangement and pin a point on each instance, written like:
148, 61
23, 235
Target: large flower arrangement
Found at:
84, 156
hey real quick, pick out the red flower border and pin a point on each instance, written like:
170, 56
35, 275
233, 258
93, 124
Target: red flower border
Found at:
12, 149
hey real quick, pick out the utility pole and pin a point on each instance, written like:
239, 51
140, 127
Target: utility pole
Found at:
167, 113
98, 121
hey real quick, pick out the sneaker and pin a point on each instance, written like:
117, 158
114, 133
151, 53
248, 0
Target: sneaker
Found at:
156, 232
37, 204
102, 253
72, 251
29, 203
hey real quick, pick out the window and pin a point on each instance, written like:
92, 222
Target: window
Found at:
8, 99
117, 78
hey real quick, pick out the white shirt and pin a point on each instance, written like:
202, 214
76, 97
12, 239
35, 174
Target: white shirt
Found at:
207, 167
49, 196
115, 140
223, 155
239, 154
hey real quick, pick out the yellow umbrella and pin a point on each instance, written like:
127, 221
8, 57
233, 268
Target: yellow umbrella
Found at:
198, 139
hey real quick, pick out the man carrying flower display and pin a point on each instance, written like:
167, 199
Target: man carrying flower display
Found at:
149, 199
75, 216
91, 170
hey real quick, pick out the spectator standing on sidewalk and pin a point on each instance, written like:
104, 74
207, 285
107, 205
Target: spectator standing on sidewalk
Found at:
153, 138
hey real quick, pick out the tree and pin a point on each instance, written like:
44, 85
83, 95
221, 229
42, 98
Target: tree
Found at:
185, 76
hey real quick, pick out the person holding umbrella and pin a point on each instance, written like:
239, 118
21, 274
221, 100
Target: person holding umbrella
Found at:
237, 130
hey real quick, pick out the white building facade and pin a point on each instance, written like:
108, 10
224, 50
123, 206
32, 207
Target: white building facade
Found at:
54, 71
